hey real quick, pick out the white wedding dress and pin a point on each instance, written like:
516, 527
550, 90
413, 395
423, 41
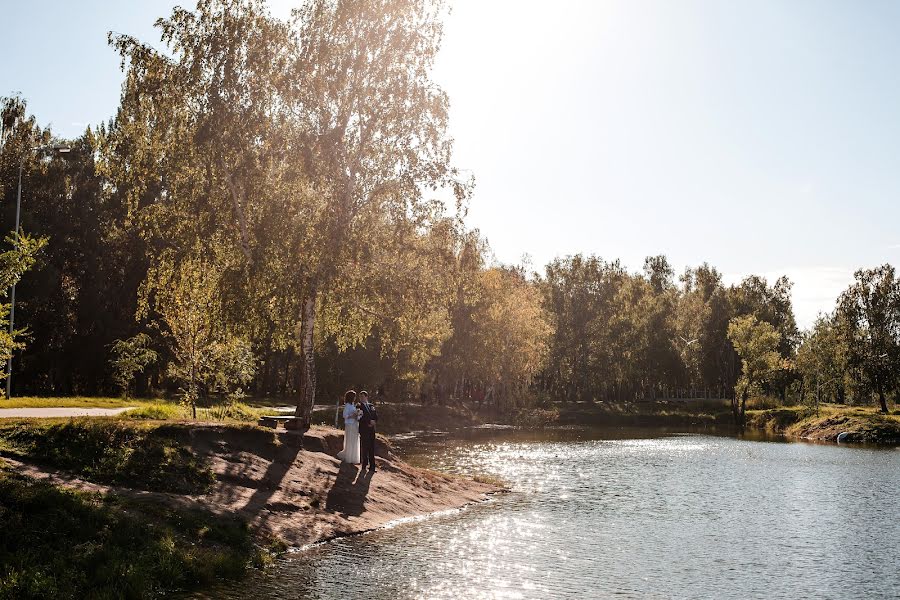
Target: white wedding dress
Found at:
350, 453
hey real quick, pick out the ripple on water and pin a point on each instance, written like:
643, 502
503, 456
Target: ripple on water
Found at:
653, 517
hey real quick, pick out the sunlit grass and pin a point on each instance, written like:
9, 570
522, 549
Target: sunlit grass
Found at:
864, 423
76, 402
148, 409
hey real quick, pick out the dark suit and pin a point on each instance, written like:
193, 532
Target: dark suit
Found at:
367, 435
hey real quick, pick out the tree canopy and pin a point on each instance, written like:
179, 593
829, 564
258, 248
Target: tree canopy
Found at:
274, 210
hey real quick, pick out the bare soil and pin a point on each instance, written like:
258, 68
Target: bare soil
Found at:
299, 494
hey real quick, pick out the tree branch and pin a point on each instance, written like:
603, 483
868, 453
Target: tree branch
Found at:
238, 212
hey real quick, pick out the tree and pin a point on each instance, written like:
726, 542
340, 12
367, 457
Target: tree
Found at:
772, 304
295, 144
13, 264
208, 356
500, 337
129, 357
701, 326
822, 359
372, 128
580, 294
756, 343
870, 311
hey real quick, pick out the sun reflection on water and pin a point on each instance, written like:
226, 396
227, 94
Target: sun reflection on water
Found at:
678, 516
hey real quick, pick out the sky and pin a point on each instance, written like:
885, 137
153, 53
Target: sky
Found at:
760, 136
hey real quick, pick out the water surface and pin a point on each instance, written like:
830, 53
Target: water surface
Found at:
628, 514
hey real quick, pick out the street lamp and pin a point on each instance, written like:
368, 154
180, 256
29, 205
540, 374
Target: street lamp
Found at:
12, 309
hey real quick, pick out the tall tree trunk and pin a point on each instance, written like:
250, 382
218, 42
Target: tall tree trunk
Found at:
743, 419
882, 400
307, 361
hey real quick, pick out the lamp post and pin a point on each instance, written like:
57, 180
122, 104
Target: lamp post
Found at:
12, 294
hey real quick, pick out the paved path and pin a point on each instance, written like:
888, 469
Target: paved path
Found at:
20, 413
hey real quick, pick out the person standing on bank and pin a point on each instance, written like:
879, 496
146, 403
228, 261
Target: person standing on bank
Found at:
367, 422
350, 453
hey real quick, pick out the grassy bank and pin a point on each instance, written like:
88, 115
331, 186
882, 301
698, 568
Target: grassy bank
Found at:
60, 543
712, 413
144, 408
74, 402
110, 507
862, 424
148, 456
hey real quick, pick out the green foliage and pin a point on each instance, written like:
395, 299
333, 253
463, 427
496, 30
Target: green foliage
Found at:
130, 357
207, 358
64, 544
756, 343
323, 242
869, 315
155, 458
500, 332
258, 204
13, 264
621, 335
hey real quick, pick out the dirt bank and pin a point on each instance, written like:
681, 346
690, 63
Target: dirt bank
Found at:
867, 429
298, 495
860, 424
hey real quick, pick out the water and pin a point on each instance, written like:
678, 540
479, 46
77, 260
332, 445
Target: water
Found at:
626, 514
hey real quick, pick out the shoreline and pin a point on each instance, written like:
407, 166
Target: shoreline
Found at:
862, 425
278, 495
300, 496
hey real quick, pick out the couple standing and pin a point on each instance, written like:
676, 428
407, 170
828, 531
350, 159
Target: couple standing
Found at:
360, 419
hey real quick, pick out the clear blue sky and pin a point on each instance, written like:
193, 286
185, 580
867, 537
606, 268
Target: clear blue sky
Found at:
762, 136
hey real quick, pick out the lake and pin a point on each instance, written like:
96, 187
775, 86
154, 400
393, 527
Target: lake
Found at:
626, 514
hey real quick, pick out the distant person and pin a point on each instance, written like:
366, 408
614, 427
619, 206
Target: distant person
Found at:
367, 422
350, 453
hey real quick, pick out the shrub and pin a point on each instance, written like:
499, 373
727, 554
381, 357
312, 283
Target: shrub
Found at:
130, 357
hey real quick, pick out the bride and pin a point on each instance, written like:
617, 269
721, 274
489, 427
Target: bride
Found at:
350, 453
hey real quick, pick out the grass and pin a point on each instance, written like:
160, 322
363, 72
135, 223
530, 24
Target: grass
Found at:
74, 402
776, 420
167, 411
59, 543
150, 456
152, 409
157, 411
864, 423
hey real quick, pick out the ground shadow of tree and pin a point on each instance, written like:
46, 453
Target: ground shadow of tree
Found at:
269, 483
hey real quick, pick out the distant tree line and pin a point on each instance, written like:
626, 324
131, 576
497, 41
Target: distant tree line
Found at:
273, 211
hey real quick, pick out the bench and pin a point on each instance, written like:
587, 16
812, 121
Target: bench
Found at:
290, 422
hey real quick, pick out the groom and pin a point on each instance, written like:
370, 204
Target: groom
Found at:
367, 431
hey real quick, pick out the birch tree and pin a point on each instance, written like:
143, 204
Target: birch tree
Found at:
372, 126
